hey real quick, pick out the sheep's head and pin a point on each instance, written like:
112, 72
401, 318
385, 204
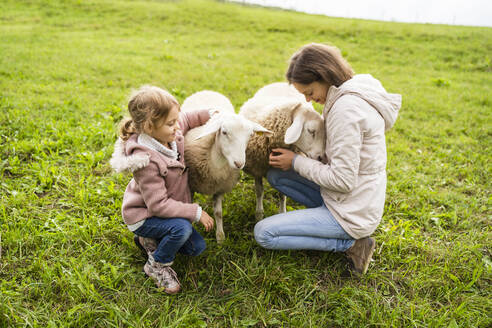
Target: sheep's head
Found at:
232, 134
307, 131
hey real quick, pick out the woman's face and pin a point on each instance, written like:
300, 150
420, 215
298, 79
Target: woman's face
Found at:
316, 91
165, 130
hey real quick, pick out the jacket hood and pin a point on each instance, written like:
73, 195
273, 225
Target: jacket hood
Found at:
120, 161
371, 90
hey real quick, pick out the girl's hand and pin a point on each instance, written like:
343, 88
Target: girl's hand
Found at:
206, 221
281, 158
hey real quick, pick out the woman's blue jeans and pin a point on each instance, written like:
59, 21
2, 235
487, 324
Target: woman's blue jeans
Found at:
311, 228
173, 235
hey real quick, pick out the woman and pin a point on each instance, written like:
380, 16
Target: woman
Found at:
345, 192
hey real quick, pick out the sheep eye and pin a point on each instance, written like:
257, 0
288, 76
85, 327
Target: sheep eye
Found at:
312, 132
224, 132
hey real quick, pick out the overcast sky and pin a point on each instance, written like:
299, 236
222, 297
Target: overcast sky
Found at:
455, 12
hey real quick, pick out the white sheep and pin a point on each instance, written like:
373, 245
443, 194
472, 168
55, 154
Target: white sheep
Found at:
216, 152
295, 124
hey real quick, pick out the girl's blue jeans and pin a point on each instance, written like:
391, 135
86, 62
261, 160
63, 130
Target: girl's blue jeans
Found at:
311, 228
173, 235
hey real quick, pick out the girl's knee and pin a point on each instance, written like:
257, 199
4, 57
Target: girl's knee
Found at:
199, 246
183, 230
194, 246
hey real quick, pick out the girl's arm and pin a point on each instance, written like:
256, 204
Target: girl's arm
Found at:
154, 192
190, 120
344, 142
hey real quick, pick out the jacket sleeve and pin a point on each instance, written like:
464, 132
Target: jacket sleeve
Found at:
190, 120
154, 192
343, 145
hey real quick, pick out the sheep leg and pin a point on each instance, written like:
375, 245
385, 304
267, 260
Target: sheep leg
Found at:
259, 198
219, 230
282, 203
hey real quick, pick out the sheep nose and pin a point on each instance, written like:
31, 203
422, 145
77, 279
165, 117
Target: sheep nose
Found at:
238, 164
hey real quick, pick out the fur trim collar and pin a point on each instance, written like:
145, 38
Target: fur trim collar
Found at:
121, 162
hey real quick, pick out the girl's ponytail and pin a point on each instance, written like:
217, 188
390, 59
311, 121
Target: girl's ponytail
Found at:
127, 128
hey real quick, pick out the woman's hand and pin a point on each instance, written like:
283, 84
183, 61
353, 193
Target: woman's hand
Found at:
281, 158
206, 221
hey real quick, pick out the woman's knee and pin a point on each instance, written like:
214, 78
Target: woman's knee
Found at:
273, 176
263, 236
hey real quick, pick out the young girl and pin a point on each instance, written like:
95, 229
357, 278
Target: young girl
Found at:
346, 191
157, 202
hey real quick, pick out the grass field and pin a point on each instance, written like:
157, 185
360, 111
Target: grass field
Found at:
66, 70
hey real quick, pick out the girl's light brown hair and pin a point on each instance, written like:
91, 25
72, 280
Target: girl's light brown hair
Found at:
315, 62
146, 106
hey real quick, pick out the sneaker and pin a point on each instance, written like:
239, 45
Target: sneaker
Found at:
360, 254
146, 245
163, 275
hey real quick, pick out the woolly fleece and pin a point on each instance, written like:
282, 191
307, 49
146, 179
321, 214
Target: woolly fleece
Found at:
277, 120
197, 157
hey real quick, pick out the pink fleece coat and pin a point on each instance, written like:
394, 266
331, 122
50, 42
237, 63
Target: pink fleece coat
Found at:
160, 184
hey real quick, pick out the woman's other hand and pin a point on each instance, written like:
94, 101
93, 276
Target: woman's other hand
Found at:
281, 158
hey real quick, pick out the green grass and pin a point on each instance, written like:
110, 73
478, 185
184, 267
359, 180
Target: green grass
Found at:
66, 70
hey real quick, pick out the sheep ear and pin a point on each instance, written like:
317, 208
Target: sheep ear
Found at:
260, 129
210, 127
294, 131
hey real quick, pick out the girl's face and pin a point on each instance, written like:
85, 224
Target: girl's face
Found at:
316, 91
165, 129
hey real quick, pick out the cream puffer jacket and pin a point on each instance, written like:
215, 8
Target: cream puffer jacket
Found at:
353, 176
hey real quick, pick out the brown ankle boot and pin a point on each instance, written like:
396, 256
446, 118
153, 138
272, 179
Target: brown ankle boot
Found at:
360, 254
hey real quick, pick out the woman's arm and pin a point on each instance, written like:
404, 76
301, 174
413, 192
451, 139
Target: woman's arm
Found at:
343, 145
